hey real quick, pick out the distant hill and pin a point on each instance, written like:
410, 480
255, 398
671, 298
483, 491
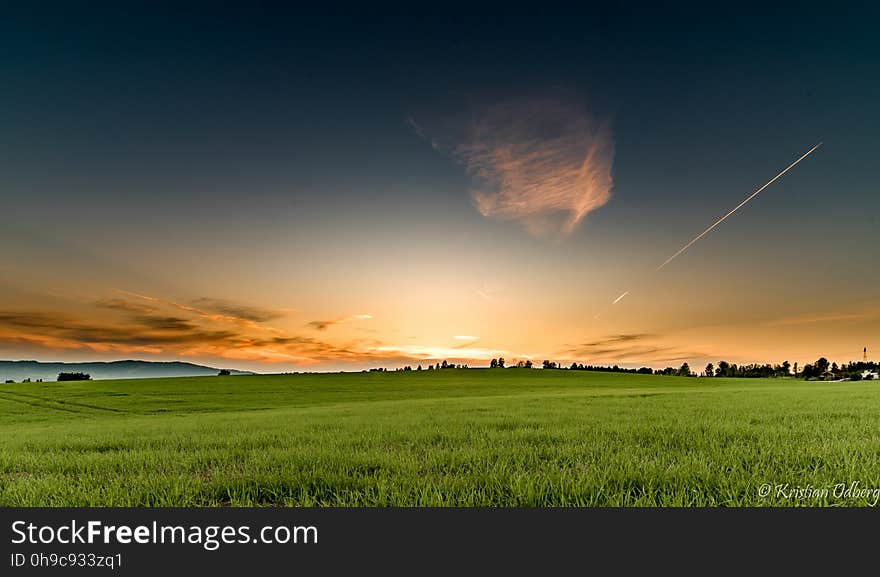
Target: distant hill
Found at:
18, 370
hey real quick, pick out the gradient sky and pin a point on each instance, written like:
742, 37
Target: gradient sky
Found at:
275, 189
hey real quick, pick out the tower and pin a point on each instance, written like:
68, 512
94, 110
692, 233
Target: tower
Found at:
865, 355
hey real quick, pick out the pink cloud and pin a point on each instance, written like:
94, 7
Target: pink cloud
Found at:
544, 163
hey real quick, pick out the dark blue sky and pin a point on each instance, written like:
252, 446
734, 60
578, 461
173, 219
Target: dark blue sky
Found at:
155, 92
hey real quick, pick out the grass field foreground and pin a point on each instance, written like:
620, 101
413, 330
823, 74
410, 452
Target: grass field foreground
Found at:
449, 438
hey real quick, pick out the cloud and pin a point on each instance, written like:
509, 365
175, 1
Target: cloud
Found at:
416, 127
324, 325
617, 347
218, 310
165, 327
467, 341
830, 317
165, 323
617, 339
545, 163
492, 295
237, 310
156, 334
630, 348
420, 132
417, 352
69, 332
126, 306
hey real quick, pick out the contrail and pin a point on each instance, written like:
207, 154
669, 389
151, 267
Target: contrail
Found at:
723, 218
620, 297
739, 206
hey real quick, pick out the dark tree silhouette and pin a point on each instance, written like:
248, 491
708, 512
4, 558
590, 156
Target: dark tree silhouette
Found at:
74, 377
786, 368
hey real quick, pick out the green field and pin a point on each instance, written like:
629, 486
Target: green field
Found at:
452, 437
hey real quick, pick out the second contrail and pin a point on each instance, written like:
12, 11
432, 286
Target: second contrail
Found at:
723, 218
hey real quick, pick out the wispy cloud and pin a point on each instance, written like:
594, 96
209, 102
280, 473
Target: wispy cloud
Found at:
125, 306
616, 340
828, 317
164, 323
143, 324
218, 310
324, 325
492, 295
238, 310
69, 332
420, 132
195, 336
546, 163
630, 347
419, 352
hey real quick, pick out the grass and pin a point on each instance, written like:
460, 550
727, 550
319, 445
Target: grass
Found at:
454, 437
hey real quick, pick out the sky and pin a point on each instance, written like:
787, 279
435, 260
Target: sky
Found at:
272, 188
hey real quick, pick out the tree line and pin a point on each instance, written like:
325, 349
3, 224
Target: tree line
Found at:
821, 369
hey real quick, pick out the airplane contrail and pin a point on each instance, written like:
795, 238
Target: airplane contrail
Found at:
620, 298
739, 206
723, 218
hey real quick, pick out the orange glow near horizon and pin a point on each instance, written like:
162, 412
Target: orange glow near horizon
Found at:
150, 327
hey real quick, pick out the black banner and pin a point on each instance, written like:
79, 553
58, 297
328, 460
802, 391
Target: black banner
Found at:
413, 541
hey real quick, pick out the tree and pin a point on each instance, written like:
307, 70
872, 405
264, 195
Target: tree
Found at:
528, 364
795, 369
822, 365
445, 365
74, 377
223, 373
786, 367
723, 369
809, 371
500, 362
419, 368
493, 364
684, 371
546, 364
710, 370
